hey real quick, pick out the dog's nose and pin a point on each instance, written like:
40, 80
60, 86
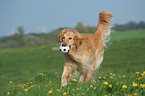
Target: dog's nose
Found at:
63, 44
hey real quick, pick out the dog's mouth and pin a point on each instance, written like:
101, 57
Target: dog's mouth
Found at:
65, 49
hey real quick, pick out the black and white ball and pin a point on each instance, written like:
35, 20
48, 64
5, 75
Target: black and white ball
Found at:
64, 49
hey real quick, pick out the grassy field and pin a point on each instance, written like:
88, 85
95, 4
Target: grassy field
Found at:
36, 71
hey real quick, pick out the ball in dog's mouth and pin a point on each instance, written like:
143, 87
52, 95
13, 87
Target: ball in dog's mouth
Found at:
65, 49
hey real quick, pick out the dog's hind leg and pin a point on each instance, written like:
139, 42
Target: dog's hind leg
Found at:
97, 61
88, 75
85, 75
95, 66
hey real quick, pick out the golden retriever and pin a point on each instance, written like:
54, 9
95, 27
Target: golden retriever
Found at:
86, 50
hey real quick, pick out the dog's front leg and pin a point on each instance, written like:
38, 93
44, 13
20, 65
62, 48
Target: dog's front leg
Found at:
66, 74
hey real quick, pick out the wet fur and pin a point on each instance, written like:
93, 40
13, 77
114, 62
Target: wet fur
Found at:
86, 53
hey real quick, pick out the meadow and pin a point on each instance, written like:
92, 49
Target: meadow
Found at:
36, 71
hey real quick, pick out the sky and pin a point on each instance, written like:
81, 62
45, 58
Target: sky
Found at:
46, 15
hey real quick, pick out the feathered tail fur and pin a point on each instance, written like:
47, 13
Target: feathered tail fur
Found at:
103, 28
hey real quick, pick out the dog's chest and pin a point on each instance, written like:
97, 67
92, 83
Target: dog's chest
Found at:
84, 58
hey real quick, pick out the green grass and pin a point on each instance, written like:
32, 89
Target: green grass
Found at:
133, 34
39, 70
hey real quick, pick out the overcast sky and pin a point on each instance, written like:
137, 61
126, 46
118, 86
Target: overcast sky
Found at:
47, 15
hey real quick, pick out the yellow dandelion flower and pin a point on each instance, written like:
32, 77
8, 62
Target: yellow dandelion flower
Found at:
74, 80
134, 84
134, 94
19, 85
91, 86
55, 72
73, 89
31, 82
110, 73
50, 92
110, 85
142, 85
106, 83
41, 74
62, 85
124, 86
82, 93
111, 77
74, 73
99, 77
50, 81
26, 90
64, 93
139, 78
116, 83
78, 89
27, 83
144, 72
105, 95
10, 81
104, 77
70, 83
123, 76
137, 72
114, 75
58, 90
30, 87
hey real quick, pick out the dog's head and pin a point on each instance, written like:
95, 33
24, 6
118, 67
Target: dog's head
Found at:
70, 38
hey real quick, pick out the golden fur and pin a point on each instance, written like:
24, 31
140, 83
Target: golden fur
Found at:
86, 52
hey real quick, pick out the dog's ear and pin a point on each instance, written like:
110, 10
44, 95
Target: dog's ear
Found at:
78, 39
61, 35
78, 43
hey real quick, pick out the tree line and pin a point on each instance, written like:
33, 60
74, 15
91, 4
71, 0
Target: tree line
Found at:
20, 39
129, 26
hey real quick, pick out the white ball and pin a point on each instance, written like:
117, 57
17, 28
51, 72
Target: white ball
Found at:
64, 49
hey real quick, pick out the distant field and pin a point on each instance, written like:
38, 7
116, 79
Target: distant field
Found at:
134, 34
36, 71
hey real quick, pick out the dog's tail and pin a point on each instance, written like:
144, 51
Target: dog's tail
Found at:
103, 28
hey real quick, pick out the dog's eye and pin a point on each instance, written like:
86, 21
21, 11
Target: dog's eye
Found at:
63, 37
70, 38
